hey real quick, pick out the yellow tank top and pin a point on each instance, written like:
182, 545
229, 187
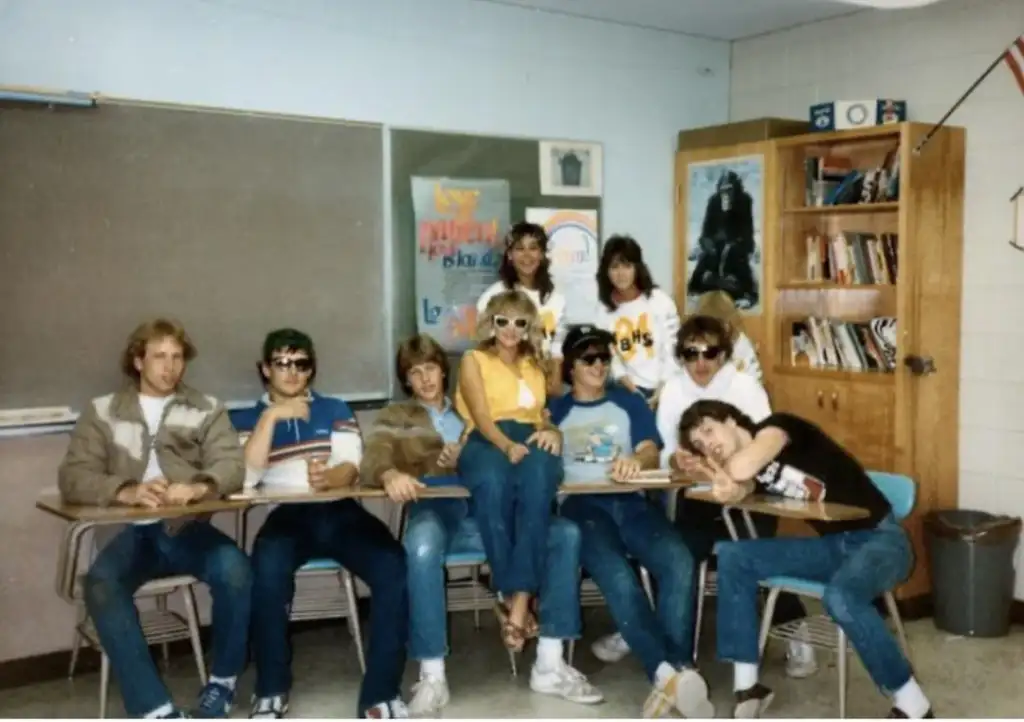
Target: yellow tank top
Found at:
510, 397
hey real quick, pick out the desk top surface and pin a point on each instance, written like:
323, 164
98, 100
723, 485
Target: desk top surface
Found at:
760, 503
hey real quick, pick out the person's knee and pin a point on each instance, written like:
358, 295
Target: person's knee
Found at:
676, 559
101, 589
229, 569
272, 561
425, 540
731, 558
837, 602
564, 536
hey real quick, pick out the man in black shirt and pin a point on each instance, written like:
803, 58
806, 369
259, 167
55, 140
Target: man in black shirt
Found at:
857, 560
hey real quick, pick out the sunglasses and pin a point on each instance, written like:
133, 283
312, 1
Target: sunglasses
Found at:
592, 358
302, 365
519, 323
708, 353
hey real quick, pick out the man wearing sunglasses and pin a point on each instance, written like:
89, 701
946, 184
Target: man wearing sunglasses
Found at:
609, 432
297, 439
704, 351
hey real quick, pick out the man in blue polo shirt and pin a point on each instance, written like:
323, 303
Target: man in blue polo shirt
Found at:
295, 438
611, 433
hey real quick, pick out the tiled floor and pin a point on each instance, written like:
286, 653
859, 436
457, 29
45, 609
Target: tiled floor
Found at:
964, 678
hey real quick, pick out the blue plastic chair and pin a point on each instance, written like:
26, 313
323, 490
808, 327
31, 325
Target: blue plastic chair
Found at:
901, 491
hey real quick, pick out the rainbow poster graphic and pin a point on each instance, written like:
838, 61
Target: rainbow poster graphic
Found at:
575, 253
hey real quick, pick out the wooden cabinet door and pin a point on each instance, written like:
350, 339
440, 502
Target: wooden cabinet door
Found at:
808, 398
866, 415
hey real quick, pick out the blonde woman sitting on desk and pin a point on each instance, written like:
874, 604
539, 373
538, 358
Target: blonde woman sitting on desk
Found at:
720, 305
510, 462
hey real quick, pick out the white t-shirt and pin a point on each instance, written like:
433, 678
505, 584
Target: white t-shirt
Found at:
729, 385
552, 314
645, 336
153, 408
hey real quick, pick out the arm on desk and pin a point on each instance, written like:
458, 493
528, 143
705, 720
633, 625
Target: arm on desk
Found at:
83, 477
222, 458
768, 444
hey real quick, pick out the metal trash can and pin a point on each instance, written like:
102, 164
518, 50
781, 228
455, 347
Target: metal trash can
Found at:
971, 558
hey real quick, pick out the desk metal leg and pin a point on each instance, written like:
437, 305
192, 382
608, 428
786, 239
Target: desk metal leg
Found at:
749, 522
67, 561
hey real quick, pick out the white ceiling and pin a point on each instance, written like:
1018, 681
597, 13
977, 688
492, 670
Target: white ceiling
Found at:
719, 19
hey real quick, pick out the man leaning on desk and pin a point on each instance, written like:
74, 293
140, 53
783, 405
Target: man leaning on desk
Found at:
156, 443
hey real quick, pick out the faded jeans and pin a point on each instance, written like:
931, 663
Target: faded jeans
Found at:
441, 527
513, 505
142, 553
856, 567
615, 527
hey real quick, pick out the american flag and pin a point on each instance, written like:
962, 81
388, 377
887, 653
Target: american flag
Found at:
1014, 57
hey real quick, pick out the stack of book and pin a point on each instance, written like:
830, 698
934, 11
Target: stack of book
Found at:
823, 343
831, 180
852, 257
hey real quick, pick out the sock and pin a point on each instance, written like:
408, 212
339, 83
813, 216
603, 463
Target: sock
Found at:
663, 674
911, 700
433, 668
162, 711
744, 676
549, 653
228, 682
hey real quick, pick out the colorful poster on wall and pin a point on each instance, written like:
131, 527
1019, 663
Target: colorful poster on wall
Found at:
459, 227
575, 253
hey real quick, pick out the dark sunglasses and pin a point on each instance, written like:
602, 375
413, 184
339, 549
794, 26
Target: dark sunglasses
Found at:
302, 365
592, 358
519, 323
709, 353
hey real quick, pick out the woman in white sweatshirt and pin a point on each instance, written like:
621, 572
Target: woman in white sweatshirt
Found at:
525, 267
704, 350
719, 304
642, 317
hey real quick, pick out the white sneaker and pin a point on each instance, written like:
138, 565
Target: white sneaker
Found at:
565, 682
429, 696
395, 709
800, 657
610, 648
686, 692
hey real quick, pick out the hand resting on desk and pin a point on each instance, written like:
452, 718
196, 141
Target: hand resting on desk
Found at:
159, 492
724, 488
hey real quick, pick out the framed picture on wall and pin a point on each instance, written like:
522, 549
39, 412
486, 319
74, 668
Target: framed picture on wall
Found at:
570, 168
724, 221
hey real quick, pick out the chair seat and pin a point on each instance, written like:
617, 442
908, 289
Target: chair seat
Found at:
320, 565
465, 558
797, 585
154, 588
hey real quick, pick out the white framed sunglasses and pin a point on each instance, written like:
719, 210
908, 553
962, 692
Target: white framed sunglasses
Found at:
520, 323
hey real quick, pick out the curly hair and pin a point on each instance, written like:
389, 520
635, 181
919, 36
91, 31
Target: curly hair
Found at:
507, 271
154, 330
627, 250
513, 304
420, 349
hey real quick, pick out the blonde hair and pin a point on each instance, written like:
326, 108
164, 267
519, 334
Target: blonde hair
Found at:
513, 304
720, 305
154, 330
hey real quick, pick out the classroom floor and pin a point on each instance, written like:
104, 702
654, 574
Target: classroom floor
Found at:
964, 678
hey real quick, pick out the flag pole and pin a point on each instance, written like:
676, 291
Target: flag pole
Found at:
960, 101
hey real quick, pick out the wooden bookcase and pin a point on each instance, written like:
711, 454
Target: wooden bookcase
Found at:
905, 419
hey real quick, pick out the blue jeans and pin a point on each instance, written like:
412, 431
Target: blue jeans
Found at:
439, 527
856, 567
344, 531
615, 527
142, 553
512, 504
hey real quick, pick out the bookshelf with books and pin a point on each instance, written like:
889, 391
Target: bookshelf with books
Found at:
862, 295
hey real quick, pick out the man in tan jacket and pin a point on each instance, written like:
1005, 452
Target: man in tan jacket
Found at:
157, 443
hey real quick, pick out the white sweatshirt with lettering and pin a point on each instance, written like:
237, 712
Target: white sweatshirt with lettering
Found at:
729, 385
645, 337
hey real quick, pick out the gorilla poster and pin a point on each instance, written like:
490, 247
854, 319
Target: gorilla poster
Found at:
724, 230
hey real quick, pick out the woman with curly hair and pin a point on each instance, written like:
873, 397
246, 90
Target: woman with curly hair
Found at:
510, 461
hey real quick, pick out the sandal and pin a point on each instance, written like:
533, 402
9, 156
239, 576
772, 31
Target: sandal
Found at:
512, 636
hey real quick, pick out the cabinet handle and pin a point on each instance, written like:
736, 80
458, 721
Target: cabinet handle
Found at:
835, 401
821, 400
